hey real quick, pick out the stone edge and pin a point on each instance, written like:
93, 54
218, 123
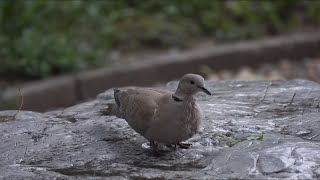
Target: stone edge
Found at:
64, 91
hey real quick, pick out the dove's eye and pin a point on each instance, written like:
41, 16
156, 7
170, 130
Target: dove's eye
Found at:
191, 82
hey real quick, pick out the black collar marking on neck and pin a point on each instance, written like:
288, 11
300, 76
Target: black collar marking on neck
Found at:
176, 99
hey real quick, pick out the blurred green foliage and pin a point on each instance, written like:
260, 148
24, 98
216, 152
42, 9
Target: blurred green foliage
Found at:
41, 38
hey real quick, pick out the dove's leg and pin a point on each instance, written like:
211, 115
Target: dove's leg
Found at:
155, 150
153, 145
184, 145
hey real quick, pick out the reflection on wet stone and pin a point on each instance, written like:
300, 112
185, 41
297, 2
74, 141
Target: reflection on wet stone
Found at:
256, 130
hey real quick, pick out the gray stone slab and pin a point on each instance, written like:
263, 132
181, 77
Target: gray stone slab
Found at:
275, 124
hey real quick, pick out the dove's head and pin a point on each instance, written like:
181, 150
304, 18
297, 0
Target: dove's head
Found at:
191, 84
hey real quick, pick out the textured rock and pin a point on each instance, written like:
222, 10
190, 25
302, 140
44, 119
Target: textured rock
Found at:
276, 125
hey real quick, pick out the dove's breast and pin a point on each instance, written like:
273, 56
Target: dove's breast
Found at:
175, 123
192, 119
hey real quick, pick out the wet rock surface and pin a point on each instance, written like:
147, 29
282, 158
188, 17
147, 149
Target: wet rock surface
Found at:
81, 142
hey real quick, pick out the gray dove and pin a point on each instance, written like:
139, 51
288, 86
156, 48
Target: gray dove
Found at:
163, 116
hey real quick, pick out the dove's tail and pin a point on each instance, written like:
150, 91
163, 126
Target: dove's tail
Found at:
117, 96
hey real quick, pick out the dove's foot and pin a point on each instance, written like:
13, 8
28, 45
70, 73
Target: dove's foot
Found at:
184, 145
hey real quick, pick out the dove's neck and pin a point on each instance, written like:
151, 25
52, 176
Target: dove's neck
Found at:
183, 96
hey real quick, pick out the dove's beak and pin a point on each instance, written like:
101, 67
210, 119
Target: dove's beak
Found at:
204, 90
